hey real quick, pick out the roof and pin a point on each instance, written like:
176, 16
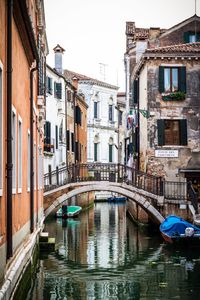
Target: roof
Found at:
190, 48
181, 24
86, 79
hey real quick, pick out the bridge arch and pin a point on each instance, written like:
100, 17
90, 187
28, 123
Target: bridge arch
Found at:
125, 190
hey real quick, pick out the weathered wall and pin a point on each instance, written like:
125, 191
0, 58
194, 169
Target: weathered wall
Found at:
160, 109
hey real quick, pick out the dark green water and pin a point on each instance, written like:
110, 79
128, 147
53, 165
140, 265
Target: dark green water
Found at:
103, 255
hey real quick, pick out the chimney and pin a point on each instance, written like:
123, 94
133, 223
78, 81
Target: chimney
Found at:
154, 33
58, 50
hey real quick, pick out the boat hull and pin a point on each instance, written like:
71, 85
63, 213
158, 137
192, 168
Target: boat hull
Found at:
72, 211
175, 230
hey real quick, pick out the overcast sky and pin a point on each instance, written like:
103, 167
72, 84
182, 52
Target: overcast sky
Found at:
93, 31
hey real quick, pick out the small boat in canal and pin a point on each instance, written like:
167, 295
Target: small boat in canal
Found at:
68, 211
116, 199
176, 230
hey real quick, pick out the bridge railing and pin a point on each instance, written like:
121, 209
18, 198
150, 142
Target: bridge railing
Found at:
103, 172
175, 190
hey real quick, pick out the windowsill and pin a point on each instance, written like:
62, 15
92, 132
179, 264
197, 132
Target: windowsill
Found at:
19, 190
173, 96
28, 190
1, 192
14, 191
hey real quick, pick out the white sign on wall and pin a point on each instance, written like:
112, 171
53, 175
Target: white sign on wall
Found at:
166, 153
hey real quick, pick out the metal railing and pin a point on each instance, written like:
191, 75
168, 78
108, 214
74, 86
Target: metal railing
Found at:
175, 190
103, 172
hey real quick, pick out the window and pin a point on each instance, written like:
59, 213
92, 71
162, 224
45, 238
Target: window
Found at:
95, 110
110, 112
61, 132
69, 96
1, 131
172, 79
35, 166
47, 136
110, 153
172, 132
56, 131
28, 163
191, 37
49, 85
14, 150
68, 140
19, 155
135, 92
78, 115
95, 151
72, 141
120, 117
58, 90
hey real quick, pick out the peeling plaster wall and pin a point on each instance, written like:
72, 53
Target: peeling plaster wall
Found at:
186, 109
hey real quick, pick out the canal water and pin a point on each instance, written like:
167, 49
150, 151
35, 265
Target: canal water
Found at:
103, 255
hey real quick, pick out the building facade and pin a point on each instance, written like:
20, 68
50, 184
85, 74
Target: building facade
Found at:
163, 99
23, 48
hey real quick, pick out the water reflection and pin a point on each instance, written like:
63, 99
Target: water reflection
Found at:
102, 255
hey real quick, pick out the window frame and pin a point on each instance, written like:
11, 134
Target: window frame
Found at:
1, 129
14, 150
183, 136
20, 143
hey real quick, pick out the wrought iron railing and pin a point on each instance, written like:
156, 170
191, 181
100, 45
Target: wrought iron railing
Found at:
175, 190
103, 172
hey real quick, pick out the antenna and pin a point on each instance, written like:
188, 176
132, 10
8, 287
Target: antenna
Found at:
195, 29
102, 71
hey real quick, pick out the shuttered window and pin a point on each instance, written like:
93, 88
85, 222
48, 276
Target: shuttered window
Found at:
47, 132
110, 112
49, 83
172, 79
135, 91
56, 129
58, 90
110, 153
78, 115
172, 132
72, 141
191, 37
68, 140
95, 110
95, 151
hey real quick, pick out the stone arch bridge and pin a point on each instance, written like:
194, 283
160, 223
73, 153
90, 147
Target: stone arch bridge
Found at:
148, 191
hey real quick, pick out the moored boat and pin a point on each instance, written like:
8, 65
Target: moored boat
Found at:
175, 229
67, 211
116, 199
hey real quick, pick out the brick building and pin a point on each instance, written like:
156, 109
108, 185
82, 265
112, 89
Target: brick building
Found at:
163, 92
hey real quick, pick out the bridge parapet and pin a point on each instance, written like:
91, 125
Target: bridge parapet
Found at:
103, 172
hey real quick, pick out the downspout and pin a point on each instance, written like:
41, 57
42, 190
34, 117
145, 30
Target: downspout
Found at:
31, 153
66, 123
9, 165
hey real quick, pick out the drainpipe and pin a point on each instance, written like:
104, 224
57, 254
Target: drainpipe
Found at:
9, 165
66, 123
31, 153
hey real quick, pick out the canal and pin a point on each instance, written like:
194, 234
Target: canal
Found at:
103, 255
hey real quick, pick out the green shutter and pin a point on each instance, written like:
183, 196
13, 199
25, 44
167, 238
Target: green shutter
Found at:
161, 132
135, 91
161, 79
110, 153
59, 90
182, 79
183, 132
186, 37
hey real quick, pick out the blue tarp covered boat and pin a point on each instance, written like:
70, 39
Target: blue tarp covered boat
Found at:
175, 229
